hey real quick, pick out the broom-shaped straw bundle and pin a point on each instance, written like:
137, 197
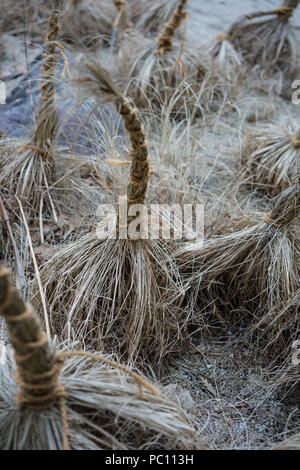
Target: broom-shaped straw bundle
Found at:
169, 71
228, 60
271, 157
121, 295
269, 44
254, 269
97, 20
52, 400
27, 167
149, 17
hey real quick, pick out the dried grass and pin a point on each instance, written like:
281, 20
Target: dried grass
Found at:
228, 60
271, 159
89, 403
24, 15
253, 270
187, 77
86, 23
104, 411
120, 295
268, 44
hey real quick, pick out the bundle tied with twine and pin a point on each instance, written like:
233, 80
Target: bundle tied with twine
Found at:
169, 73
75, 400
93, 19
120, 294
100, 20
27, 167
269, 44
254, 269
228, 60
271, 157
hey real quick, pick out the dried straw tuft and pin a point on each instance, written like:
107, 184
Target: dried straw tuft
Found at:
27, 167
254, 269
159, 71
271, 156
228, 60
52, 400
269, 44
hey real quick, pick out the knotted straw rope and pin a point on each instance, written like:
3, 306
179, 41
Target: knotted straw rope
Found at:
38, 364
168, 32
284, 12
140, 170
47, 115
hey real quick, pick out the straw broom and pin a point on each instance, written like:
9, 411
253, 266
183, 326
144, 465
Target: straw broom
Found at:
52, 400
27, 166
269, 44
271, 157
121, 295
255, 269
98, 21
228, 60
169, 71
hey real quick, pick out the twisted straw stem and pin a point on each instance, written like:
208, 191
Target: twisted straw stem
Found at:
47, 114
169, 29
140, 169
284, 12
38, 366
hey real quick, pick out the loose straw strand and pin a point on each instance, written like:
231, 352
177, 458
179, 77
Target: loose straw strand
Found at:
99, 358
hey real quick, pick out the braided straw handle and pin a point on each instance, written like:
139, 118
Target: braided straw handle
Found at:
47, 114
37, 365
140, 169
168, 32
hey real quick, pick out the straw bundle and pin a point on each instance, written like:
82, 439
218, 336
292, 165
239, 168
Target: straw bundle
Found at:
269, 44
271, 156
254, 269
168, 71
52, 400
27, 167
118, 294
